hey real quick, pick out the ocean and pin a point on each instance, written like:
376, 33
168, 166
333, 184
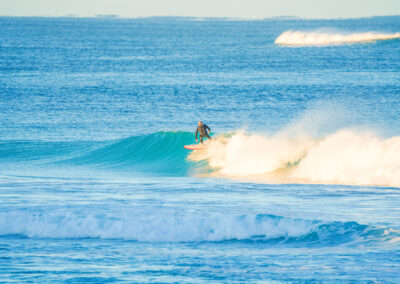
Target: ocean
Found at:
300, 183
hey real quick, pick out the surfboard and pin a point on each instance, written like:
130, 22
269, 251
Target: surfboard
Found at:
195, 147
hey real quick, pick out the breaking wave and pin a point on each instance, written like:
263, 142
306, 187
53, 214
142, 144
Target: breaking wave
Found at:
188, 228
344, 157
315, 38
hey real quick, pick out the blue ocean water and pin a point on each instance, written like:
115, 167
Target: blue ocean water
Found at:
299, 184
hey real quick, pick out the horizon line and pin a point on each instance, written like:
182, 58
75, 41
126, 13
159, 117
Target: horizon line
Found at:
113, 16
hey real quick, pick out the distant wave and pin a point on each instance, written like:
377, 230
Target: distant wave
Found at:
188, 228
344, 157
301, 38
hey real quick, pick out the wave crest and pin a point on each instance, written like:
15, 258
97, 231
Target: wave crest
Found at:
188, 228
301, 38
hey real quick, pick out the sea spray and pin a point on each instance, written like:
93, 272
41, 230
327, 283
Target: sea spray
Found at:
350, 157
345, 157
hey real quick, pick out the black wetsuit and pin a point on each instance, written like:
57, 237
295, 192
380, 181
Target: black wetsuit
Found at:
203, 132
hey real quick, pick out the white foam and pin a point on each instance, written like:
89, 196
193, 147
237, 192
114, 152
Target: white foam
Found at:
151, 228
301, 38
243, 155
90, 223
344, 157
353, 158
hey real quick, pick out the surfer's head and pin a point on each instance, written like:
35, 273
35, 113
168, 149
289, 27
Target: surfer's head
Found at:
200, 123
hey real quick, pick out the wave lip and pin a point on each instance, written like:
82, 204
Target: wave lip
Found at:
319, 38
215, 227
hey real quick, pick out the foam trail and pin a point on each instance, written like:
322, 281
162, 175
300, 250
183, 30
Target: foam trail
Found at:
301, 38
344, 157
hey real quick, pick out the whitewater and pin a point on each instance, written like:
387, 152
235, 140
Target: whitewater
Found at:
344, 157
323, 38
300, 182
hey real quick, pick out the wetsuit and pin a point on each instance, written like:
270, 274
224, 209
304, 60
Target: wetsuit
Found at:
203, 132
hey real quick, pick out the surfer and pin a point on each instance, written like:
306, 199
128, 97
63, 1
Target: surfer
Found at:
202, 128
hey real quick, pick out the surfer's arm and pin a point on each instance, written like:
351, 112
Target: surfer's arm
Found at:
206, 126
197, 131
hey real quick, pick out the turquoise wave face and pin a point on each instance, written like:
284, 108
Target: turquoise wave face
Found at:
159, 153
